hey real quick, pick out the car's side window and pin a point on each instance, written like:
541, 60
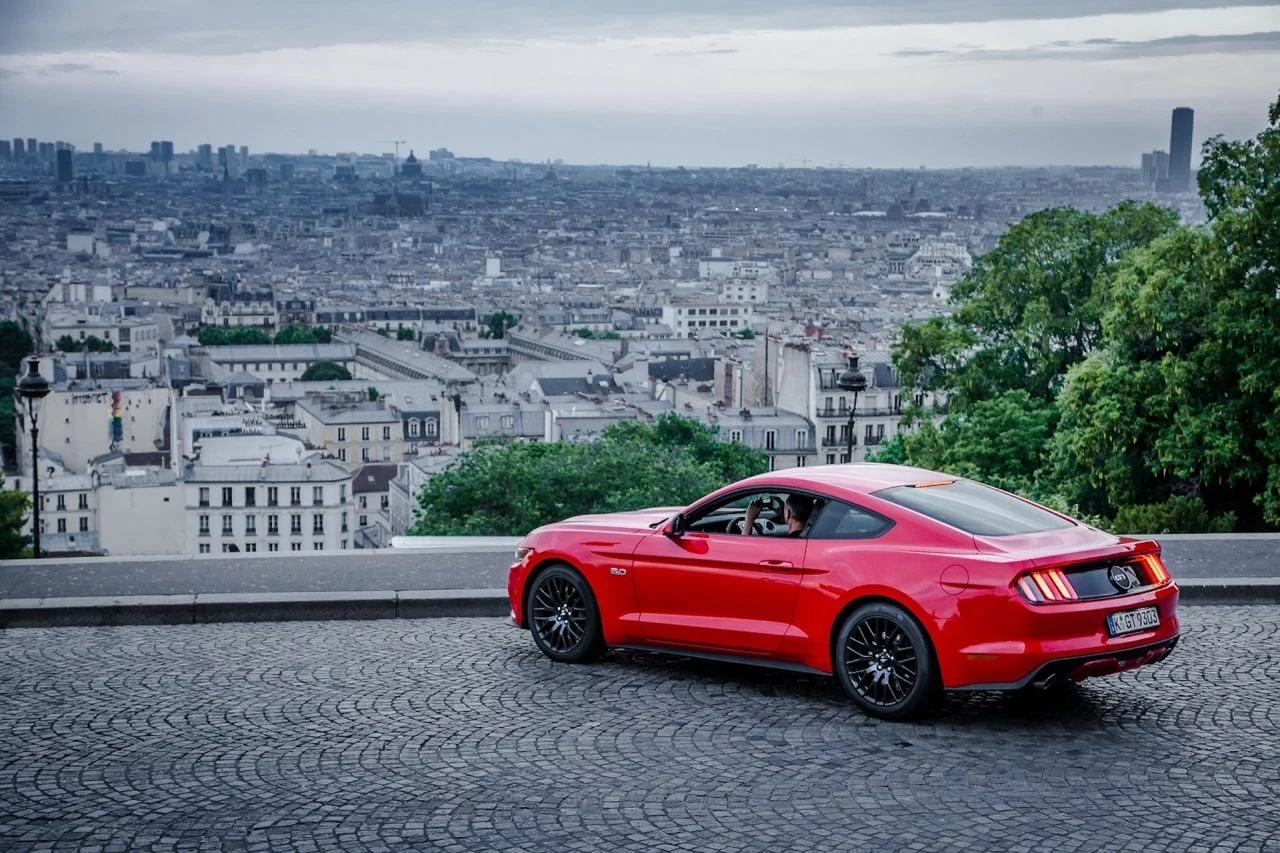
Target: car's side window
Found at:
840, 520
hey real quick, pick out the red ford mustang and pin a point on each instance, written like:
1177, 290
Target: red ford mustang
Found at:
902, 582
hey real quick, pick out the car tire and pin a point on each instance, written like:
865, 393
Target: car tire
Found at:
885, 663
563, 616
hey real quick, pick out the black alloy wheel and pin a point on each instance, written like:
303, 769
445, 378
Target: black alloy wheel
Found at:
563, 616
884, 661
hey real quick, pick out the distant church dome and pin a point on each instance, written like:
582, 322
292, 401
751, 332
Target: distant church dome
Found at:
410, 158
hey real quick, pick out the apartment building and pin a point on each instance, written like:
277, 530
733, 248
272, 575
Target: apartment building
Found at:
267, 507
353, 431
698, 318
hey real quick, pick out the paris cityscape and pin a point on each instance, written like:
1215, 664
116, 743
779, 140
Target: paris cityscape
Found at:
639, 426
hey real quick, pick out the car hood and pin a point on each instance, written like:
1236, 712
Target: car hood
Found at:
640, 519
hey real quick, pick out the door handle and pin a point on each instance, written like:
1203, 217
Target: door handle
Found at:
777, 564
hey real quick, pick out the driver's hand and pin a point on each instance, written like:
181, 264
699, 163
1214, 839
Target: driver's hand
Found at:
753, 510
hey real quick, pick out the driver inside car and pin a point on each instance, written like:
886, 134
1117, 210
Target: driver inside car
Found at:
795, 514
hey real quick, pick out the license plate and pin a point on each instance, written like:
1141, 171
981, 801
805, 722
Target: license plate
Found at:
1128, 621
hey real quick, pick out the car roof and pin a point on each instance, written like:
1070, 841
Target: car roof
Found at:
862, 478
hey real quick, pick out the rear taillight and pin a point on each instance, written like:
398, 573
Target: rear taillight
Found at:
1046, 585
1157, 574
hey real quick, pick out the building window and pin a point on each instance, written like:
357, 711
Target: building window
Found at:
482, 422
802, 438
204, 525
342, 433
295, 496
226, 525
295, 546
295, 524
415, 428
250, 496
317, 546
831, 459
432, 427
317, 523
735, 435
273, 525
62, 525
364, 521
363, 502
84, 524
342, 454
204, 496
273, 496
226, 496
386, 433
365, 455
799, 461
251, 547
342, 493
250, 525
386, 454
508, 421
273, 546
204, 547
344, 522
770, 439
84, 501
364, 433
62, 503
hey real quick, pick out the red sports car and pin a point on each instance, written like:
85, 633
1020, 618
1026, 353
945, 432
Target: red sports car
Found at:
902, 582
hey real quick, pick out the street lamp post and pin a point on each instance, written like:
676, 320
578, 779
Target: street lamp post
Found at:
852, 380
31, 389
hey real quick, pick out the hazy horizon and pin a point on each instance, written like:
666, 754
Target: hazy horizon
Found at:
700, 83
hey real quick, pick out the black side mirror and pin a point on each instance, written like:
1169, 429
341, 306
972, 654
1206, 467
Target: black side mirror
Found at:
677, 525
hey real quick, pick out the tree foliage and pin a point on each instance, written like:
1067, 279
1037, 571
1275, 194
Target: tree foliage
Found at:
14, 507
508, 489
15, 344
212, 336
404, 334
1149, 354
325, 371
500, 321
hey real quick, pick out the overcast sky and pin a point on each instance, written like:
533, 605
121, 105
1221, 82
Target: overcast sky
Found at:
697, 82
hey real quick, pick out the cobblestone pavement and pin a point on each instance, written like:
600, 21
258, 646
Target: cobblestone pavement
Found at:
457, 735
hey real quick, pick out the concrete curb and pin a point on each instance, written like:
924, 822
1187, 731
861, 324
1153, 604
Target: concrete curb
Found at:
251, 607
403, 604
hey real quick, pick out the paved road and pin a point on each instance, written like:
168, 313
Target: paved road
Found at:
457, 735
1188, 557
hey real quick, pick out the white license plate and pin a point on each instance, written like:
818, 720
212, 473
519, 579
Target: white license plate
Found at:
1128, 621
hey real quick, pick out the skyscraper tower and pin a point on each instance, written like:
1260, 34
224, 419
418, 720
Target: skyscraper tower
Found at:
65, 171
19, 149
1180, 149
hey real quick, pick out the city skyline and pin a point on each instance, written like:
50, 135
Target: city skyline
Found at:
705, 84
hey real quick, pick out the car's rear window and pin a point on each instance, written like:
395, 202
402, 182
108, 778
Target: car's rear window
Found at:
974, 508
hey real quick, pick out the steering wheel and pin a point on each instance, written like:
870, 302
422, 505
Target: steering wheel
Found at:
762, 526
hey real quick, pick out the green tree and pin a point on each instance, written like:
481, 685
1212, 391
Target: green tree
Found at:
499, 322
373, 394
1180, 406
404, 334
8, 424
324, 335
1031, 307
746, 333
295, 335
15, 344
584, 332
325, 371
510, 488
211, 336
66, 343
14, 507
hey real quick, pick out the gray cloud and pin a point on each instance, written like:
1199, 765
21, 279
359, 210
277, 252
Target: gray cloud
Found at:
708, 52
1106, 48
74, 68
243, 26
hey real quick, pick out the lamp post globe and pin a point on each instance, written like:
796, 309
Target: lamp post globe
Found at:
854, 381
31, 389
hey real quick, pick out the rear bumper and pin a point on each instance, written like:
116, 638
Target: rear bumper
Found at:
1080, 668
1027, 644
